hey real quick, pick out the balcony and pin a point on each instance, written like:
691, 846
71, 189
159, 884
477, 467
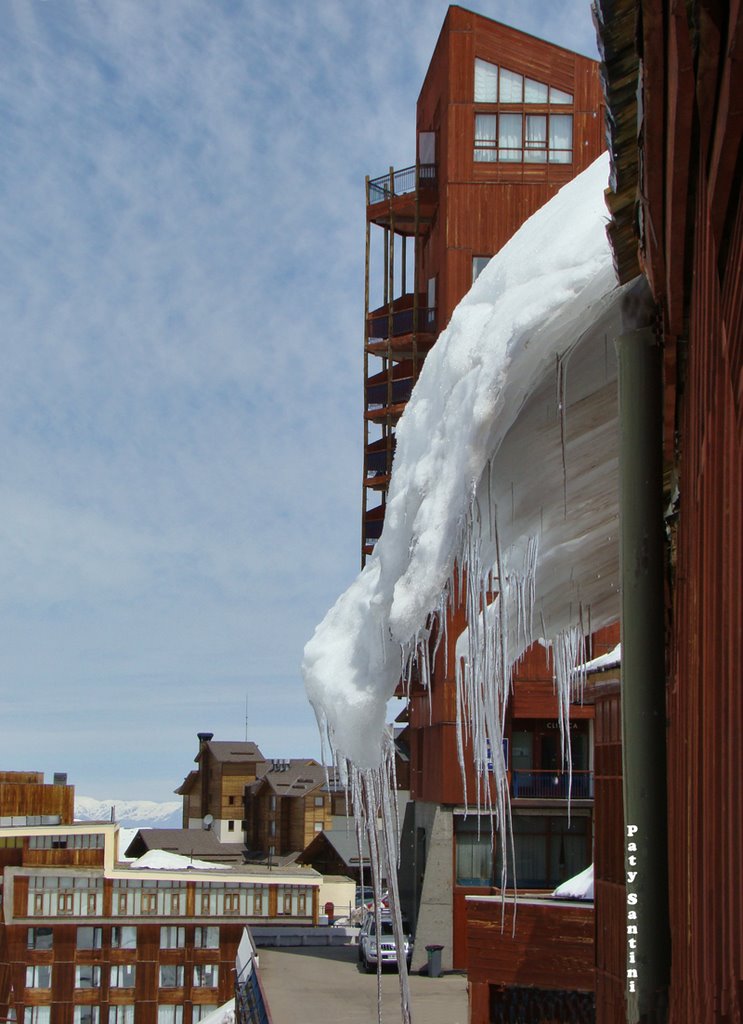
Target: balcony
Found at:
527, 784
401, 183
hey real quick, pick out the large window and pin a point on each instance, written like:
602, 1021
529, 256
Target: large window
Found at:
172, 937
39, 976
205, 975
504, 134
87, 976
39, 938
89, 938
206, 938
201, 1010
170, 1015
124, 936
123, 1013
474, 852
548, 850
86, 1015
37, 1015
171, 975
123, 975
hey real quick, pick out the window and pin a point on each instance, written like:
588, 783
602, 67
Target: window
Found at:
485, 138
37, 1015
511, 87
510, 137
172, 937
232, 903
319, 801
547, 850
86, 1015
206, 938
486, 82
39, 938
124, 936
171, 976
65, 902
149, 902
478, 265
318, 826
561, 138
39, 976
474, 852
123, 975
272, 828
535, 139
534, 92
272, 802
87, 976
123, 1013
89, 938
556, 96
201, 1010
206, 975
170, 1015
230, 826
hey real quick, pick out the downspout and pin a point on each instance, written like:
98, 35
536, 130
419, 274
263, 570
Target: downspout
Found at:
643, 658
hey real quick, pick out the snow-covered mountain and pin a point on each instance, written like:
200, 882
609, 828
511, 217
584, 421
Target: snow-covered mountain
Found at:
130, 813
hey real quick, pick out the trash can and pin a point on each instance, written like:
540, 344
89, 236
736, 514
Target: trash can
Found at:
434, 961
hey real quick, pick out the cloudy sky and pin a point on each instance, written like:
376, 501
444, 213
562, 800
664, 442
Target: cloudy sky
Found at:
181, 300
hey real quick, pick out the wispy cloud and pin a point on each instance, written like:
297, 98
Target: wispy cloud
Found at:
181, 289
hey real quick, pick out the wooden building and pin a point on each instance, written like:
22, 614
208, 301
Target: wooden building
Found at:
674, 80
215, 789
503, 121
86, 939
287, 807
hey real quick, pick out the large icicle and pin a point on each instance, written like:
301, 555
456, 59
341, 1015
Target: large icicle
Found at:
502, 492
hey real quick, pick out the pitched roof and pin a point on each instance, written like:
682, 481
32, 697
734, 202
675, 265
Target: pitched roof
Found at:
296, 777
188, 842
232, 752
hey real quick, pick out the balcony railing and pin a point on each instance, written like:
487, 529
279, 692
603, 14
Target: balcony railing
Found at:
541, 785
402, 323
401, 183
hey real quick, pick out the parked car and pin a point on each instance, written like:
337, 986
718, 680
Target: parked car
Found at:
371, 950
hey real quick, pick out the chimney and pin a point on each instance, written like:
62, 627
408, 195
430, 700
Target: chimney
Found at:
203, 759
60, 779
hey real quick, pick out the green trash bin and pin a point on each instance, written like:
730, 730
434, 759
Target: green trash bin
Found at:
434, 961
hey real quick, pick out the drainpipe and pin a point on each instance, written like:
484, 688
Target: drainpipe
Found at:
643, 658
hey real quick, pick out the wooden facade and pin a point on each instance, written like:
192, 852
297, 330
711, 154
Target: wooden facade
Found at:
85, 939
429, 223
542, 956
287, 807
678, 219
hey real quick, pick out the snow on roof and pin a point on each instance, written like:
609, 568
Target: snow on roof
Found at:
175, 862
612, 659
506, 465
580, 887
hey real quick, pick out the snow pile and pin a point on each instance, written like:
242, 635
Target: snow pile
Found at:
505, 478
485, 471
161, 859
580, 887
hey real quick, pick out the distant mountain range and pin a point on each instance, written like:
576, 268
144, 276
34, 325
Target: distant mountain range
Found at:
130, 813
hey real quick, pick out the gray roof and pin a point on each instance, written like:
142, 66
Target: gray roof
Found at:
296, 778
345, 844
234, 752
188, 842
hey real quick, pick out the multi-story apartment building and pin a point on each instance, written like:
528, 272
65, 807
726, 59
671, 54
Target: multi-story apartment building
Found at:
287, 807
86, 939
503, 121
213, 792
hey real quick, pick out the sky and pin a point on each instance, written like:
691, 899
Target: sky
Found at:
181, 307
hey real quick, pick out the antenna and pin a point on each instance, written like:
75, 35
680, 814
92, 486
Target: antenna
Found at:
246, 718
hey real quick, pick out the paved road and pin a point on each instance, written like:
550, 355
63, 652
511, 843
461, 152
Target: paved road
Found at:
321, 985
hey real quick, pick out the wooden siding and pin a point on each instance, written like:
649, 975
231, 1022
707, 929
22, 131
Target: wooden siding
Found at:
552, 948
693, 257
22, 794
609, 887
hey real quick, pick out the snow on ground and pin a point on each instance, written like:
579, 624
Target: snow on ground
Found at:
174, 862
506, 465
